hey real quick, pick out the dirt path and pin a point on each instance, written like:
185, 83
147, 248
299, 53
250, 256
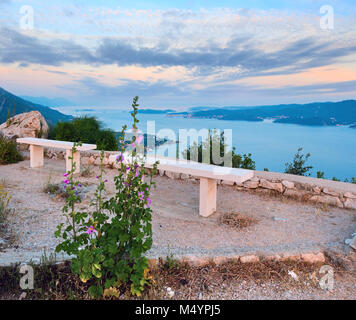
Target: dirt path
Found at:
282, 226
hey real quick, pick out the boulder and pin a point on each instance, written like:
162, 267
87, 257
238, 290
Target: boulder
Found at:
350, 204
350, 195
313, 257
330, 200
250, 259
251, 184
271, 185
288, 184
31, 124
330, 192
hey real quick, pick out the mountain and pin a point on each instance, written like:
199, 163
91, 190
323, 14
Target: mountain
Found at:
55, 102
312, 114
11, 105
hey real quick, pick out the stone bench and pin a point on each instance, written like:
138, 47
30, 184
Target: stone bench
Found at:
36, 151
208, 174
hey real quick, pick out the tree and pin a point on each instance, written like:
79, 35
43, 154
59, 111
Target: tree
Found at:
238, 160
298, 167
87, 130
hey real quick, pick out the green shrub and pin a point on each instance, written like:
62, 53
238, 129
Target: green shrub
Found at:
238, 160
298, 166
8, 151
87, 130
5, 198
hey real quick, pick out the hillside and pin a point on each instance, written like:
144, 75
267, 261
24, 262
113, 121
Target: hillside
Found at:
12, 105
313, 114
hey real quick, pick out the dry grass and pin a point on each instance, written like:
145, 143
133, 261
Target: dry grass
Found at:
58, 283
236, 220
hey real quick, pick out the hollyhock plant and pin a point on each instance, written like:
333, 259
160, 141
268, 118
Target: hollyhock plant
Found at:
110, 239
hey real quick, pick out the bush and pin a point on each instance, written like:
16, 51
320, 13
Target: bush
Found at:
8, 151
238, 160
4, 203
298, 167
109, 241
87, 130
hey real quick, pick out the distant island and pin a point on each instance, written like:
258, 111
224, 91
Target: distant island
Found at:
153, 111
11, 105
341, 113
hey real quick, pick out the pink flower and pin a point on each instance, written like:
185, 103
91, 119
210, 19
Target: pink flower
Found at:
148, 202
90, 230
120, 158
66, 181
141, 195
65, 175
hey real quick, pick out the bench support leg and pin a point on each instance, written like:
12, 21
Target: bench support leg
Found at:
207, 204
76, 159
36, 156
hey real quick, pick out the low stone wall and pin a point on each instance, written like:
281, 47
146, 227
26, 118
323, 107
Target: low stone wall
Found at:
305, 189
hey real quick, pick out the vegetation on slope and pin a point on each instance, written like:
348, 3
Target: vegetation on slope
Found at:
87, 130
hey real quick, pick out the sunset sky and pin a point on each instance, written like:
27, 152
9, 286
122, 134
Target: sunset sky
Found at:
179, 54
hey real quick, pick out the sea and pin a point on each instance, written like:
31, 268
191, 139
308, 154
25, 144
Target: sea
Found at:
332, 149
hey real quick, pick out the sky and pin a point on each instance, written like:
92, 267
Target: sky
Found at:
179, 54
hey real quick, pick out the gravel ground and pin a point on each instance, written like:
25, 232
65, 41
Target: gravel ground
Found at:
282, 226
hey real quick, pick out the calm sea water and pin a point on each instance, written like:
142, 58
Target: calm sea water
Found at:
333, 149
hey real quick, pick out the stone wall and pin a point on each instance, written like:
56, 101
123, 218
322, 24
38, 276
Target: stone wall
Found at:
305, 189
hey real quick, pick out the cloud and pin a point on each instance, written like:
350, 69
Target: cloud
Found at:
16, 47
240, 52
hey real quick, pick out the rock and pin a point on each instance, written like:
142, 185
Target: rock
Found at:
249, 259
251, 184
91, 160
271, 185
220, 260
350, 204
184, 176
30, 124
161, 172
173, 175
330, 200
97, 162
348, 241
255, 179
288, 184
330, 192
317, 190
313, 257
350, 195
228, 183
84, 161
